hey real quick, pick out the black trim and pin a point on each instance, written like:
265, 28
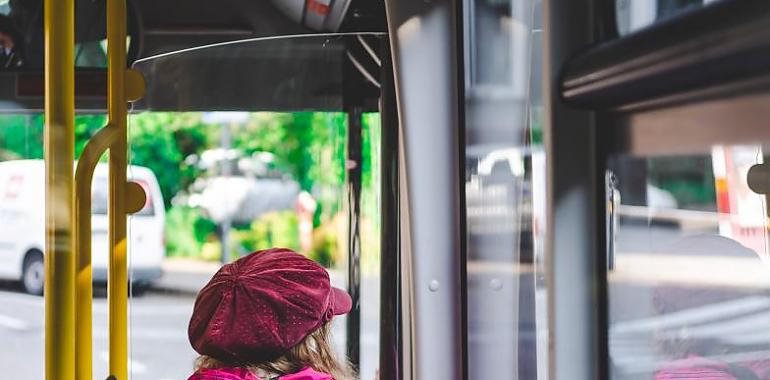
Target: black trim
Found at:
354, 171
459, 84
391, 325
722, 42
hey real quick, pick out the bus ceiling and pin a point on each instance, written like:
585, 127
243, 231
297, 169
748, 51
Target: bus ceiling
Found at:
232, 48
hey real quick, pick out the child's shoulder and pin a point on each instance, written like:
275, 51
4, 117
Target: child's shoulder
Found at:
244, 374
223, 374
307, 374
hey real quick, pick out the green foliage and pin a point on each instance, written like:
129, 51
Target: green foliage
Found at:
187, 230
21, 136
311, 146
327, 249
370, 193
276, 229
86, 127
161, 141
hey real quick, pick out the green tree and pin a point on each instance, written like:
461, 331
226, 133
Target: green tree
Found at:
162, 141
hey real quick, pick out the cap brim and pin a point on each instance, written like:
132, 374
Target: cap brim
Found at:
340, 302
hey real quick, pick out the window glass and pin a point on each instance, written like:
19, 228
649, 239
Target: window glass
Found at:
22, 315
504, 168
239, 169
370, 245
22, 243
688, 272
632, 15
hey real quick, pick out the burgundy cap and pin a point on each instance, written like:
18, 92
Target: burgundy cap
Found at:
259, 306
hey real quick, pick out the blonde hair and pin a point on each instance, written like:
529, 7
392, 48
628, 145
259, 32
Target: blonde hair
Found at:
314, 351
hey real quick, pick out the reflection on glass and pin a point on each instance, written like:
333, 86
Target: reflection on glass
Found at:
632, 15
503, 161
690, 286
11, 56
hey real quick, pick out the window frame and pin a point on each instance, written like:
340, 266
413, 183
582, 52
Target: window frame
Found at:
622, 95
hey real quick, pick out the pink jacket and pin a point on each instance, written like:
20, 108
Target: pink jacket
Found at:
696, 367
243, 374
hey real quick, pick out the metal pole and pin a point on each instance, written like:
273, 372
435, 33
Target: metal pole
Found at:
430, 106
575, 205
59, 202
117, 111
354, 166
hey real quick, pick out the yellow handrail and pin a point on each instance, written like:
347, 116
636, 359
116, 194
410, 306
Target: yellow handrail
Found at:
59, 30
84, 283
125, 197
117, 114
68, 272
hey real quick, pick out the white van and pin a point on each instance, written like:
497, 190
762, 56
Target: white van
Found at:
22, 226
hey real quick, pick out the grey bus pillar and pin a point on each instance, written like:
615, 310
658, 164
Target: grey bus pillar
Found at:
575, 235
427, 56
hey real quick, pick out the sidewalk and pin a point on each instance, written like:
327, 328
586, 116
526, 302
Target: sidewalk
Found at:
185, 276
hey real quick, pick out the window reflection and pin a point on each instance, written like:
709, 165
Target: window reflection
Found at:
11, 56
632, 15
689, 285
503, 155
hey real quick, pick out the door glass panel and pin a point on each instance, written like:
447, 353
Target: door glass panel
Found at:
22, 210
22, 244
632, 15
689, 276
243, 147
504, 170
370, 246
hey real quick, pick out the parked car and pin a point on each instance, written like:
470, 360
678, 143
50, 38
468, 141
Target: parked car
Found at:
498, 196
22, 225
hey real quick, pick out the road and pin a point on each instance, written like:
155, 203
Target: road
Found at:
158, 334
668, 285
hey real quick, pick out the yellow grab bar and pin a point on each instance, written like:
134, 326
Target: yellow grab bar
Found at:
124, 198
84, 282
59, 31
68, 272
117, 111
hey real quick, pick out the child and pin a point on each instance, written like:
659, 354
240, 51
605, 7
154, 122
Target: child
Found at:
268, 316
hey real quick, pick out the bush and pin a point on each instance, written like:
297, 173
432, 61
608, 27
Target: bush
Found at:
275, 229
187, 230
329, 242
324, 247
281, 229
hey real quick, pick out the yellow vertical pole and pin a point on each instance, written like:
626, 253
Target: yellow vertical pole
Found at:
84, 277
118, 261
59, 21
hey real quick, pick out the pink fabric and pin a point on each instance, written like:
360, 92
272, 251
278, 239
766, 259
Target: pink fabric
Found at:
696, 367
243, 374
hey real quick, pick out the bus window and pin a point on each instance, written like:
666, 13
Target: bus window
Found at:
503, 153
22, 244
250, 145
688, 288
